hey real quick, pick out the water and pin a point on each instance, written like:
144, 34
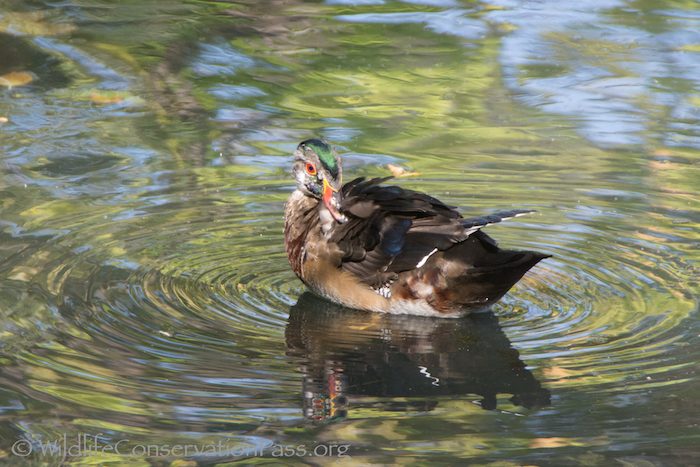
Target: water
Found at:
145, 297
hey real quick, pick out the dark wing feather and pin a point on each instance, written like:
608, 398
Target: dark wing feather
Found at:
475, 223
391, 229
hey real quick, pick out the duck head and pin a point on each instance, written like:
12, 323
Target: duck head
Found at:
319, 175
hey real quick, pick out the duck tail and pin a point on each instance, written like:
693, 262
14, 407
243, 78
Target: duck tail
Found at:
484, 272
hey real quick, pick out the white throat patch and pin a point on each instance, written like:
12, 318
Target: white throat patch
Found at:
326, 219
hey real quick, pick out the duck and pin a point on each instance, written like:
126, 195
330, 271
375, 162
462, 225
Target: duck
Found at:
373, 246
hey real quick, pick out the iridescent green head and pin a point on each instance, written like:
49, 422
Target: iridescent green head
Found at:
325, 154
318, 173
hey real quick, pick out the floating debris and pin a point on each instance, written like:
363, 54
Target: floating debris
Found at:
105, 98
16, 78
398, 171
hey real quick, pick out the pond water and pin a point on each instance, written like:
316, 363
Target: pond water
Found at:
145, 297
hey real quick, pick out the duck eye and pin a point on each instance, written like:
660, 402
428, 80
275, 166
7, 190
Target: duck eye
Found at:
310, 168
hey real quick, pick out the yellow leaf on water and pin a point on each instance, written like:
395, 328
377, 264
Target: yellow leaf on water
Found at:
539, 443
557, 372
557, 442
398, 171
106, 98
16, 78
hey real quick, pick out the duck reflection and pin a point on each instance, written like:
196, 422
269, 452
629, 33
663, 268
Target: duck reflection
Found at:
348, 353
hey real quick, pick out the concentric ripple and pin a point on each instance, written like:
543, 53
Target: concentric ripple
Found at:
198, 332
144, 288
170, 312
604, 321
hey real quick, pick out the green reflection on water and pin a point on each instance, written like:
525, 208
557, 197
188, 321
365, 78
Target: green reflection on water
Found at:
144, 290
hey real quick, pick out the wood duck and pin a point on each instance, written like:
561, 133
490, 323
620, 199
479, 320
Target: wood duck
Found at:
383, 248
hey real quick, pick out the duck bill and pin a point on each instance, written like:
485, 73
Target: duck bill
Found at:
331, 199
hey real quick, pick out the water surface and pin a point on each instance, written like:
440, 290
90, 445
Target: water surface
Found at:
144, 290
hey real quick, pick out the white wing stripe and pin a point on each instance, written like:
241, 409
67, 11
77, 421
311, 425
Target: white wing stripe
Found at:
425, 258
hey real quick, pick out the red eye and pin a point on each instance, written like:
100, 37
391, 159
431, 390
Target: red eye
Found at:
310, 168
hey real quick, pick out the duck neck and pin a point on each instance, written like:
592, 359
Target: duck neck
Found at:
301, 218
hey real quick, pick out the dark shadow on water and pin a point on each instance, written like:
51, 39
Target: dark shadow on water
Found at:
19, 54
347, 353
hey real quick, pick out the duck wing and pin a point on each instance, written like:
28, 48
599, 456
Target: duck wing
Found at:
391, 229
